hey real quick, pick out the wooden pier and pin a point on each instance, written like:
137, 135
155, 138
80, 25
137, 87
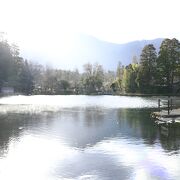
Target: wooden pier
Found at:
169, 112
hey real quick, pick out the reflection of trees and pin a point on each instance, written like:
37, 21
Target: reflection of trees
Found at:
12, 125
9, 129
93, 117
83, 127
170, 143
170, 140
137, 123
91, 128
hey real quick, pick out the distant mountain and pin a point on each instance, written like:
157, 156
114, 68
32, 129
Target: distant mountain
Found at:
83, 48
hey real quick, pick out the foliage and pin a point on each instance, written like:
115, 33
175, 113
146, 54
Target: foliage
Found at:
168, 63
147, 69
151, 74
129, 78
14, 70
92, 78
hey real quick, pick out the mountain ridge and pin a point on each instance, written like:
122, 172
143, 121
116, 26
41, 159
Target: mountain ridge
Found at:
84, 48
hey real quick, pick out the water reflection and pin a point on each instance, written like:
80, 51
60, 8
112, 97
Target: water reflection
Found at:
86, 143
138, 124
170, 137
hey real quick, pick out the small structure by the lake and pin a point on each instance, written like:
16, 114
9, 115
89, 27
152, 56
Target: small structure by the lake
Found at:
168, 112
168, 117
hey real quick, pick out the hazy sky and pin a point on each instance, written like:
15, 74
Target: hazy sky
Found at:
43, 24
111, 20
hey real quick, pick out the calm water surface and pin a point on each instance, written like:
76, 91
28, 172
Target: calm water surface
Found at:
84, 137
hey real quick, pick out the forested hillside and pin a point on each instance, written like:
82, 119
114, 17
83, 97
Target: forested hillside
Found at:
152, 73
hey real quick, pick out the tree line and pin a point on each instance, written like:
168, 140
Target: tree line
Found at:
152, 73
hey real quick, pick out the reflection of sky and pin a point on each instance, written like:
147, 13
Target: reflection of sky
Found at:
54, 103
82, 143
147, 162
35, 157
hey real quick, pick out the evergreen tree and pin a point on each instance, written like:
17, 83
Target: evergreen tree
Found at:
5, 62
168, 63
147, 69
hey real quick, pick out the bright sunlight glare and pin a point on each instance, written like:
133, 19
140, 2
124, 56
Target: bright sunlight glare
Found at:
46, 30
110, 20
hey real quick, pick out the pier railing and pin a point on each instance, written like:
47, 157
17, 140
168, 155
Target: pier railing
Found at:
168, 104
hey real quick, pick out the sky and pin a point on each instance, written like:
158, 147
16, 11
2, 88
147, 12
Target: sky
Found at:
33, 23
111, 20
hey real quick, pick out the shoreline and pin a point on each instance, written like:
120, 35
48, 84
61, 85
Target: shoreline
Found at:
97, 94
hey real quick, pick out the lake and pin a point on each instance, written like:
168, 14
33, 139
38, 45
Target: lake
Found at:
84, 137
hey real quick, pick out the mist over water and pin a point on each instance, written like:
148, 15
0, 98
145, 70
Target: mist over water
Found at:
40, 103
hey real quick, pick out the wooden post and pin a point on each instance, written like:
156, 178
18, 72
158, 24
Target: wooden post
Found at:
168, 106
159, 104
171, 104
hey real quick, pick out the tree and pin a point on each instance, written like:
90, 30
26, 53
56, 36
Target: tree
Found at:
168, 63
98, 74
49, 81
117, 84
22, 78
63, 85
93, 77
147, 69
5, 62
129, 78
119, 70
26, 78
